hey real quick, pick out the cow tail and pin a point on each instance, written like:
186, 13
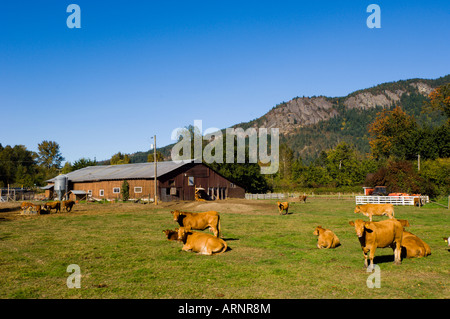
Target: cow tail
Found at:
219, 230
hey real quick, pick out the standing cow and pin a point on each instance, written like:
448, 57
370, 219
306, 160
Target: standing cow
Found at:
370, 210
198, 221
53, 205
67, 205
283, 206
383, 234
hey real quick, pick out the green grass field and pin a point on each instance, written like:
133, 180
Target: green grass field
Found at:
122, 253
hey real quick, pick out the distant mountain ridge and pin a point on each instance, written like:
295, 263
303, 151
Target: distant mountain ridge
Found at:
310, 125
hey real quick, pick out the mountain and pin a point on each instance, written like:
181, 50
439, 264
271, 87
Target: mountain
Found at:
310, 125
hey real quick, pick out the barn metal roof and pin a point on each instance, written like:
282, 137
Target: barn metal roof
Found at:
125, 171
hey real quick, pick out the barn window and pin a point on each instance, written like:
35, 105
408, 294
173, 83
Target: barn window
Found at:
138, 189
191, 180
90, 192
116, 190
101, 192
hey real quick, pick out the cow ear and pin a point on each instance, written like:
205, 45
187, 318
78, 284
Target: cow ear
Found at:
369, 226
351, 223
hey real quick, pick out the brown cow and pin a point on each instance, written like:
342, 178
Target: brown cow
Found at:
327, 239
53, 205
373, 235
303, 198
283, 206
67, 205
375, 210
25, 205
204, 244
413, 246
37, 208
171, 234
199, 221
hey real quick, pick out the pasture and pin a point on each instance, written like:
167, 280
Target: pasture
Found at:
123, 253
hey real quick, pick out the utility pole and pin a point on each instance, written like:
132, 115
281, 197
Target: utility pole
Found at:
155, 165
418, 162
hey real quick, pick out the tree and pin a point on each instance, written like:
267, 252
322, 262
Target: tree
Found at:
17, 166
119, 159
125, 191
344, 166
67, 168
392, 135
440, 99
286, 161
83, 162
399, 176
49, 154
151, 157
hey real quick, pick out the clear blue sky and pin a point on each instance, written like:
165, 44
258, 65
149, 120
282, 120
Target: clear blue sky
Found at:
139, 68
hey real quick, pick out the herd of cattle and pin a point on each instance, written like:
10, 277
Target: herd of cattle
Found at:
371, 235
47, 207
389, 233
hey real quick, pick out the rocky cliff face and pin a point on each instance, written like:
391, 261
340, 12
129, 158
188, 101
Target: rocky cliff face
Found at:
299, 112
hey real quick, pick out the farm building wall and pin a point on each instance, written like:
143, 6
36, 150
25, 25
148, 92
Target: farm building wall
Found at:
139, 188
180, 184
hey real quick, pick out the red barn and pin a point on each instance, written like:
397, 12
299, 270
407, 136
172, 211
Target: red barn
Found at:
176, 181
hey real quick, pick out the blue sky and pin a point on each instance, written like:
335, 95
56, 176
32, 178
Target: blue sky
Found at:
140, 68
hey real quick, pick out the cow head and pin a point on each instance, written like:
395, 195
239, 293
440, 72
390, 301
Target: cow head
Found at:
360, 226
176, 215
316, 232
183, 232
357, 209
404, 222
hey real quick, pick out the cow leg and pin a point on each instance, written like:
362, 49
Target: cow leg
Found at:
365, 251
186, 248
398, 254
371, 256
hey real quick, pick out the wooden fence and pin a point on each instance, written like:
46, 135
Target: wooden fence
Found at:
288, 196
394, 200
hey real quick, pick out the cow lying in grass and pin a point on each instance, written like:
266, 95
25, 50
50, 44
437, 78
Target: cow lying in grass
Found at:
373, 235
171, 234
370, 210
204, 244
25, 205
327, 239
283, 206
198, 221
412, 246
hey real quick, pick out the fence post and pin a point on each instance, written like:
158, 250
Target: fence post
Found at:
448, 203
